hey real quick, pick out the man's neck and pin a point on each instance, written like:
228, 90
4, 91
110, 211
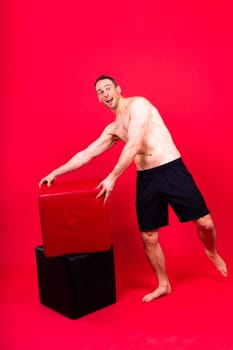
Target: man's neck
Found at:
121, 108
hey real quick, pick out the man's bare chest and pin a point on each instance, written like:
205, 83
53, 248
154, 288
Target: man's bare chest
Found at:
121, 129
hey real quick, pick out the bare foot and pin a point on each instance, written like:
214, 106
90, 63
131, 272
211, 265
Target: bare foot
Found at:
158, 292
218, 262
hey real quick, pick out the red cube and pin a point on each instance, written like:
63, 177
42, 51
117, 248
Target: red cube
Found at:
72, 219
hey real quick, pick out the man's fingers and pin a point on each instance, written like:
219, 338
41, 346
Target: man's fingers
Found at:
104, 193
100, 193
99, 186
43, 181
107, 194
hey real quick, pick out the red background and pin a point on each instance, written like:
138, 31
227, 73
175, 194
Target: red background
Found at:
176, 53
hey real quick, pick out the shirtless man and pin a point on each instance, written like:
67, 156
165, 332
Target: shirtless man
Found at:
162, 177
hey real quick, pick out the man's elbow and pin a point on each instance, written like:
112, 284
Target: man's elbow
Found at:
135, 148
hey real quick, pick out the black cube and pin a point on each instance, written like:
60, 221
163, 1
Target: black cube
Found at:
78, 284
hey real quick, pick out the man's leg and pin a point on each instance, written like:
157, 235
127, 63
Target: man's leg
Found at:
207, 234
157, 260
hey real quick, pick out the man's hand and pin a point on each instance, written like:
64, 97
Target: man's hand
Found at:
49, 179
106, 187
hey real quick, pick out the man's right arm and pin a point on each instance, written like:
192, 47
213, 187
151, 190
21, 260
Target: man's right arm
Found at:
102, 144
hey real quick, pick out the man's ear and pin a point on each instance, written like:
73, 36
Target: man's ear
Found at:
118, 89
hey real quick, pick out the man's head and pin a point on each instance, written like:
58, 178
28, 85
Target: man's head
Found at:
103, 77
108, 91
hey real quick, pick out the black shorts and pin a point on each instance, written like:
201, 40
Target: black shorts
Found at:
168, 184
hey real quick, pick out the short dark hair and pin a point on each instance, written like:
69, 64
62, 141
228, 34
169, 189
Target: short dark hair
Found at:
102, 77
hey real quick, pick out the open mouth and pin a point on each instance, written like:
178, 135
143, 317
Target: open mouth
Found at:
109, 101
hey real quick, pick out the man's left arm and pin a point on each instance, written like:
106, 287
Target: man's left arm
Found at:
139, 114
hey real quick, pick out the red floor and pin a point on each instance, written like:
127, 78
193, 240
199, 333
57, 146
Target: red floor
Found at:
197, 315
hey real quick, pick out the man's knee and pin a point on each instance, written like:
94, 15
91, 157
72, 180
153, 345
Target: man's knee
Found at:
150, 238
205, 223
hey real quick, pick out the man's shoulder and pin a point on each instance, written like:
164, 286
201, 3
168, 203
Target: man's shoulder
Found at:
110, 131
140, 102
135, 99
111, 128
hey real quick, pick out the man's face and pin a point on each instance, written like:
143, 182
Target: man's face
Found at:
108, 93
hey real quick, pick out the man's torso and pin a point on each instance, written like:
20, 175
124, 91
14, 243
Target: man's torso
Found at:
157, 146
